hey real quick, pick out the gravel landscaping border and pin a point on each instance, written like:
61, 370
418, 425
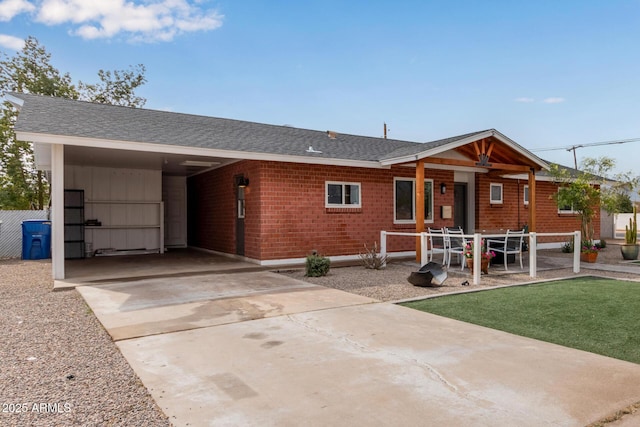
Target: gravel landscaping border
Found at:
59, 367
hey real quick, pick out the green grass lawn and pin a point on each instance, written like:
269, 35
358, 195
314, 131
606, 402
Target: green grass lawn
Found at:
593, 314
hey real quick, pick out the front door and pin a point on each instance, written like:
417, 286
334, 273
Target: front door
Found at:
239, 217
460, 206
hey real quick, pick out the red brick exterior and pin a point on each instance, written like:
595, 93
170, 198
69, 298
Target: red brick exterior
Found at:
514, 214
286, 215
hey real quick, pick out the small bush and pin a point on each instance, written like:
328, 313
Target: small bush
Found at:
317, 265
372, 259
568, 247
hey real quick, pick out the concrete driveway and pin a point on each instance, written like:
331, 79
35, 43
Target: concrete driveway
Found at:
263, 349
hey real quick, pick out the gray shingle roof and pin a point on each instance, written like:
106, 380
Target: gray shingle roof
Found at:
65, 117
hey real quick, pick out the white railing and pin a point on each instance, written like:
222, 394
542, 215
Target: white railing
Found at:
477, 247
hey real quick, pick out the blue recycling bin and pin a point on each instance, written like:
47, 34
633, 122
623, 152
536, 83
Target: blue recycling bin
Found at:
36, 239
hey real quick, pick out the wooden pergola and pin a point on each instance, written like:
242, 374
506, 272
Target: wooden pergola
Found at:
490, 153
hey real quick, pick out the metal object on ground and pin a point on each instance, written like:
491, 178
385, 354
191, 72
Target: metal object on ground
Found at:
430, 274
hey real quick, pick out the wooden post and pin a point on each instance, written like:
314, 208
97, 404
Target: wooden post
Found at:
532, 200
419, 207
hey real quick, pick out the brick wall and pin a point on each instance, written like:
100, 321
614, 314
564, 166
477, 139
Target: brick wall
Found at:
286, 215
514, 214
285, 209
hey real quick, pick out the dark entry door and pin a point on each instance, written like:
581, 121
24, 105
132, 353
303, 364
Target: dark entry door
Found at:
239, 217
460, 206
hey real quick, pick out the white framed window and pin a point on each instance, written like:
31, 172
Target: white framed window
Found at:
525, 194
495, 194
404, 200
565, 208
342, 194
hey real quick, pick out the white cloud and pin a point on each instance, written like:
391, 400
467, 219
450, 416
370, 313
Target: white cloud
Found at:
136, 20
553, 100
524, 99
11, 42
11, 8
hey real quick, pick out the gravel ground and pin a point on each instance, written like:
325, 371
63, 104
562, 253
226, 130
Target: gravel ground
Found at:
58, 365
391, 283
60, 368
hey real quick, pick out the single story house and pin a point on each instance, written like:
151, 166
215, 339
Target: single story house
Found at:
267, 193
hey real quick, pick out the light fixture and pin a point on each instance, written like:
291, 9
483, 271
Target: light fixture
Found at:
443, 188
243, 182
198, 163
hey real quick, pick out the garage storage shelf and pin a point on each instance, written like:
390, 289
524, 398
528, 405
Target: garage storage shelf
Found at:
126, 225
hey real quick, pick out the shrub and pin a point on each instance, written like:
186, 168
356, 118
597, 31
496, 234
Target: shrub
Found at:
372, 259
567, 247
317, 265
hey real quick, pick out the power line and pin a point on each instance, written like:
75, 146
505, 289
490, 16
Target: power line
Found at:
592, 144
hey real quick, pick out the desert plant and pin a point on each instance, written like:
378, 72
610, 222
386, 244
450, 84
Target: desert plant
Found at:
631, 231
317, 265
372, 259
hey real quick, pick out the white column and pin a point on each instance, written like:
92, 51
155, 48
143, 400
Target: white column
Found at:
383, 245
424, 254
477, 258
577, 246
57, 210
533, 254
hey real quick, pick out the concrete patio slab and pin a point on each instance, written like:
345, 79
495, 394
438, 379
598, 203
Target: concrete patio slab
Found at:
170, 304
375, 364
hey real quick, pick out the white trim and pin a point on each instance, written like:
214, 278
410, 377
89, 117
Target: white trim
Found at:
491, 199
16, 102
337, 258
57, 211
194, 151
478, 136
343, 204
413, 201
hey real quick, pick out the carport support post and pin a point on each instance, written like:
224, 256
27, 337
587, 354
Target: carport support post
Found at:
57, 211
477, 258
533, 255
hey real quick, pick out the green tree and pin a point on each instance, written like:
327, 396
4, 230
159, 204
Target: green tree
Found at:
30, 71
592, 187
116, 88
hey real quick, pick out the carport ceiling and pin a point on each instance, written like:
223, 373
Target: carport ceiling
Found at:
170, 164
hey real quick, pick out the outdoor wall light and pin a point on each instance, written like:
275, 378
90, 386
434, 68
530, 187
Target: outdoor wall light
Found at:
243, 182
443, 188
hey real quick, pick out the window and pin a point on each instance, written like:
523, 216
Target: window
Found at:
565, 208
526, 194
495, 194
405, 198
342, 194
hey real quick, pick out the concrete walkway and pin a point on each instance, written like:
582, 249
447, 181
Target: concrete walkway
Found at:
262, 349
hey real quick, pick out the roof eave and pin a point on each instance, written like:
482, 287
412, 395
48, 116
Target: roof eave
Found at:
195, 151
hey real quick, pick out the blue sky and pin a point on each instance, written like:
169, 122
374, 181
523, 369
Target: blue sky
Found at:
546, 73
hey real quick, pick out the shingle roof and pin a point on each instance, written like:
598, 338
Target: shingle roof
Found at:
72, 118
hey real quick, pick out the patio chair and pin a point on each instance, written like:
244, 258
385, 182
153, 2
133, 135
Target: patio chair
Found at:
456, 243
437, 244
511, 244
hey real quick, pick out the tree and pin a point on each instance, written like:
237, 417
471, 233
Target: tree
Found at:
588, 189
116, 88
30, 71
